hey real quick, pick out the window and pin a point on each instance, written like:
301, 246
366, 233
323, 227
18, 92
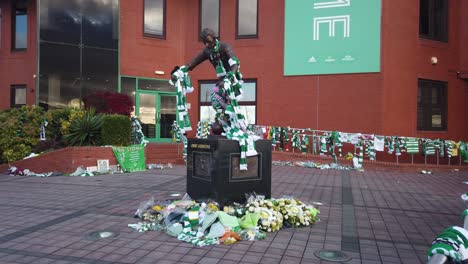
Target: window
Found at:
433, 19
432, 105
19, 25
247, 18
247, 101
209, 15
18, 95
155, 18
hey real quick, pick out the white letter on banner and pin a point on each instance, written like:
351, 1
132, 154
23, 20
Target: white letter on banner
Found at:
332, 4
331, 21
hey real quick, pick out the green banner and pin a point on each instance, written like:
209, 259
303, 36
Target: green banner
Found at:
332, 36
131, 158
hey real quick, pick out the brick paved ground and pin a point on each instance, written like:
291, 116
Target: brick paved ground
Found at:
374, 216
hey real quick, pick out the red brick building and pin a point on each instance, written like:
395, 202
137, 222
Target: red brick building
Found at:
146, 44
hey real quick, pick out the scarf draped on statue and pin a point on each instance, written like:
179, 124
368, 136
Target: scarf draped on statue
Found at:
228, 115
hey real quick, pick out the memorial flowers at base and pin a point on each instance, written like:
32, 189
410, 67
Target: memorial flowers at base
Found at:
205, 224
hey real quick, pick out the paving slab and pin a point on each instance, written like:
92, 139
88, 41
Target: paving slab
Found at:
372, 216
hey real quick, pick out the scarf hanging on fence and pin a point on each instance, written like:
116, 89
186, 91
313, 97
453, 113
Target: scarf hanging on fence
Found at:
428, 147
314, 143
455, 148
440, 147
370, 151
397, 146
323, 144
464, 151
412, 145
449, 145
283, 138
336, 138
305, 144
295, 139
390, 143
379, 143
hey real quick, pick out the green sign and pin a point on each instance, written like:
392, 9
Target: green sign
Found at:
131, 158
332, 36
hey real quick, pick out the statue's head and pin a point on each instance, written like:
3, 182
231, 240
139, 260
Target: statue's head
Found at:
208, 36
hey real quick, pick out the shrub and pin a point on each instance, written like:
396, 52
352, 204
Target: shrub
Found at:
85, 130
19, 132
116, 130
55, 118
109, 103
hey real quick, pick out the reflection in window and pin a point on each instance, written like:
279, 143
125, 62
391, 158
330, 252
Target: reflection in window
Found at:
209, 15
78, 50
128, 87
247, 101
433, 19
154, 21
18, 95
432, 105
155, 85
19, 25
1, 27
247, 18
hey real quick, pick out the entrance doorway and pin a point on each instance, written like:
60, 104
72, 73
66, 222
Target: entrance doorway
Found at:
157, 112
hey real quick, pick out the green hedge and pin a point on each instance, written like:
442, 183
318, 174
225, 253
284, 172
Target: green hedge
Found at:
116, 130
19, 132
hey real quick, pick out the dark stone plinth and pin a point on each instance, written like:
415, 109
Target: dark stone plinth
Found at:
213, 170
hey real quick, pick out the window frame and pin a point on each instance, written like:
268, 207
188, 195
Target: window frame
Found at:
433, 23
151, 35
200, 26
425, 88
238, 36
13, 26
240, 103
1, 18
13, 89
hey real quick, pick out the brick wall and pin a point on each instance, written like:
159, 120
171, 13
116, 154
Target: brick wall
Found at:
17, 67
68, 159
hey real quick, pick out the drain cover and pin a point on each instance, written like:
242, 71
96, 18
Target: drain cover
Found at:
332, 255
102, 234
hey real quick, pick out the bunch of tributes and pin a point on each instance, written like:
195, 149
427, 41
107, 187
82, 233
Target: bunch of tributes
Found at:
205, 224
224, 95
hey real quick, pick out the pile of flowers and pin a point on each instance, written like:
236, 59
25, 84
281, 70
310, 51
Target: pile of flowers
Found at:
205, 224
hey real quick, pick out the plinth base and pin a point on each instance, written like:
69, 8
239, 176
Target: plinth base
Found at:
213, 170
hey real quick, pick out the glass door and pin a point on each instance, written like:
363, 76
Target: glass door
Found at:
157, 112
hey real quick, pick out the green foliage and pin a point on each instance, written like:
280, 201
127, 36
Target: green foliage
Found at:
85, 130
116, 130
55, 118
19, 132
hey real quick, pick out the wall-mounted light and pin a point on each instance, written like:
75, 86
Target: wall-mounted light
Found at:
434, 60
159, 72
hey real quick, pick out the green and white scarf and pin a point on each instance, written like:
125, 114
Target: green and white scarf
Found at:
181, 80
428, 147
305, 144
295, 139
412, 145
